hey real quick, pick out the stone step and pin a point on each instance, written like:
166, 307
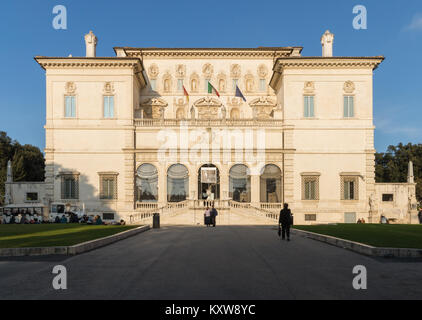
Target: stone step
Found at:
224, 218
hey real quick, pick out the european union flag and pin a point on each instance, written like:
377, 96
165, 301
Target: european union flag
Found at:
239, 94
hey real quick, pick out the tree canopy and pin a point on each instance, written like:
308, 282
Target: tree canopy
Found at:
392, 166
27, 162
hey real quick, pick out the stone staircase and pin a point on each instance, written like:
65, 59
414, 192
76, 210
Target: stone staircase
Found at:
191, 212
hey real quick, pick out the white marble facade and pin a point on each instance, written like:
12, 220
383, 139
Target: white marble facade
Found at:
304, 135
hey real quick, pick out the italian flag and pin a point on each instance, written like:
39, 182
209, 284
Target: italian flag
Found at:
185, 92
212, 90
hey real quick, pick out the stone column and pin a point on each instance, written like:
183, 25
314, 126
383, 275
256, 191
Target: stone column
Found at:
162, 183
255, 190
129, 180
224, 182
193, 182
288, 167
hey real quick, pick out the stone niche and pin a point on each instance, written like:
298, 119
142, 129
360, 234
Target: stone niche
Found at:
207, 108
263, 108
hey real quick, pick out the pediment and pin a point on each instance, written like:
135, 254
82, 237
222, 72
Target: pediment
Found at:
154, 102
208, 108
262, 102
263, 107
207, 102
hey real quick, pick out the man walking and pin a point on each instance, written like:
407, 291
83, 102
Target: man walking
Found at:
214, 214
285, 221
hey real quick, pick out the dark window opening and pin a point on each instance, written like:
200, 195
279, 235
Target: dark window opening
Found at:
387, 197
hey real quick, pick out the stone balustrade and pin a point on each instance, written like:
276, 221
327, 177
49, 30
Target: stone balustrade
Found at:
208, 123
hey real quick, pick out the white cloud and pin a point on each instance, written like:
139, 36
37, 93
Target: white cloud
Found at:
388, 126
416, 23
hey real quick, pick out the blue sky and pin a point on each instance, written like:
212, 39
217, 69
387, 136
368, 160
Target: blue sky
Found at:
394, 30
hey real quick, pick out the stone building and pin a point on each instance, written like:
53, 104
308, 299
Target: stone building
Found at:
163, 130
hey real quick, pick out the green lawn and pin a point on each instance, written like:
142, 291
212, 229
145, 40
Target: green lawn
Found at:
50, 235
377, 235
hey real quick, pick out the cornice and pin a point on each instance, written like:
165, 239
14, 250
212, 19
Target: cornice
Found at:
324, 62
96, 62
321, 63
264, 52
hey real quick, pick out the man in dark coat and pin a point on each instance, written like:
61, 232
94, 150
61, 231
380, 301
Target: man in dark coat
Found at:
214, 214
420, 216
285, 221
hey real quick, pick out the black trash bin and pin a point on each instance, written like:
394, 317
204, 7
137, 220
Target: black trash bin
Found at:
156, 221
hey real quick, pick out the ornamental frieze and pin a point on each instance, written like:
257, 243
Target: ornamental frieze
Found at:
263, 108
180, 71
309, 87
153, 71
235, 71
207, 108
157, 106
262, 71
208, 70
108, 88
349, 87
70, 87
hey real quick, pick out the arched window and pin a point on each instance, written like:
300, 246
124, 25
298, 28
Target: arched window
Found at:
177, 183
270, 184
147, 183
240, 183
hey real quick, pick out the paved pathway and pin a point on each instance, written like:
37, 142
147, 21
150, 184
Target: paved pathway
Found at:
211, 263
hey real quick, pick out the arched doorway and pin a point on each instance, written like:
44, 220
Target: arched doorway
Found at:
147, 183
208, 182
270, 184
177, 183
240, 183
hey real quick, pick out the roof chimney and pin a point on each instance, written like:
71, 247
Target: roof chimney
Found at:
91, 44
327, 40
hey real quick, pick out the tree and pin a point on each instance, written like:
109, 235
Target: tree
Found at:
28, 162
392, 166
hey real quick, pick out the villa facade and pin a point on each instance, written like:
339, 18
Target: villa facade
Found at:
159, 129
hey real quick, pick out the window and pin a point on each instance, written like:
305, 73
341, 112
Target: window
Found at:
147, 183
349, 186
70, 107
108, 106
153, 84
108, 216
31, 196
70, 186
180, 85
310, 217
348, 107
108, 186
387, 197
177, 183
235, 83
309, 107
262, 85
310, 187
